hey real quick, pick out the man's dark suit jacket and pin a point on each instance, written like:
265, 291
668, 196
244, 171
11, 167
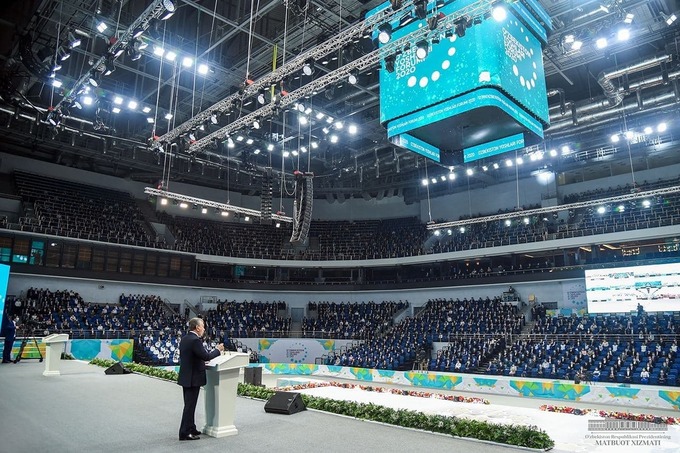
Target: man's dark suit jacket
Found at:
192, 358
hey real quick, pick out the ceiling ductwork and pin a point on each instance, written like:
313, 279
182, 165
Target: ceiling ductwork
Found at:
613, 93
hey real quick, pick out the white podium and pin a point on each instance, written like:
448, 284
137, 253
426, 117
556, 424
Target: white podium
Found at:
220, 393
54, 346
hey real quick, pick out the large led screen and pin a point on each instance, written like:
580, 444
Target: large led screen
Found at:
4, 279
616, 290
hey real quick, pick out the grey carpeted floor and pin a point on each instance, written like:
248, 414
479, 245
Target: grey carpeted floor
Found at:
84, 410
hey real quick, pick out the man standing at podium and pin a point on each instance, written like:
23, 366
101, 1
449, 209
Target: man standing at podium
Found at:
192, 358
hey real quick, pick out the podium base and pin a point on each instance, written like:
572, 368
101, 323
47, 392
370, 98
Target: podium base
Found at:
51, 373
220, 431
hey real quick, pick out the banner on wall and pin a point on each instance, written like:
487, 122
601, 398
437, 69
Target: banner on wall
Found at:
119, 350
574, 295
301, 350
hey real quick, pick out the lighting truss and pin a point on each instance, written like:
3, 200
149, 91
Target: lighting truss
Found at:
154, 11
369, 60
212, 204
564, 207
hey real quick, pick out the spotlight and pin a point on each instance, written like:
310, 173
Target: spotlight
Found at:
168, 116
115, 110
629, 18
433, 21
661, 127
170, 56
424, 182
422, 49
118, 100
623, 34
56, 83
352, 78
94, 78
73, 41
139, 31
101, 27
146, 109
452, 176
308, 67
498, 11
352, 129
670, 19
261, 96
132, 105
421, 9
256, 124
187, 62
389, 63
270, 147
109, 67
469, 171
203, 69
213, 119
133, 51
601, 43
460, 26
648, 130
169, 9
150, 120
63, 54
384, 33
159, 51
334, 138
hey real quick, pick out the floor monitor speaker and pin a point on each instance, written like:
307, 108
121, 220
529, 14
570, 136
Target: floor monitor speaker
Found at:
117, 368
285, 403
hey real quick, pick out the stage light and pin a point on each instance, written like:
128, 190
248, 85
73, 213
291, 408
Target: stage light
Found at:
187, 62
495, 166
384, 33
565, 150
629, 18
576, 45
256, 124
203, 69
520, 161
302, 119
646, 203
421, 9
629, 135
462, 230
460, 26
132, 105
601, 43
553, 153
433, 21
225, 213
314, 145
452, 176
424, 182
249, 141
192, 136
146, 109
115, 110
150, 120
352, 78
601, 210
63, 54
109, 67
56, 83
615, 138
213, 119
170, 56
261, 96
158, 51
270, 147
422, 49
670, 19
133, 51
352, 129
118, 100
469, 171
308, 67
623, 34
73, 41
286, 154
648, 130
294, 153
95, 78
319, 115
183, 205
434, 180
257, 151
661, 127
169, 9
139, 31
508, 222
334, 138
389, 63
508, 162
168, 116
498, 12
101, 27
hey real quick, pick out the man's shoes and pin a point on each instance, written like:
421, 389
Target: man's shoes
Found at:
190, 437
196, 432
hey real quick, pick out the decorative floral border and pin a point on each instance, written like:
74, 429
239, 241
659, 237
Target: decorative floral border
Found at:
660, 419
394, 391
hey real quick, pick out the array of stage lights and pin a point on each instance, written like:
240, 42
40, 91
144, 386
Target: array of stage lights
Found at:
631, 135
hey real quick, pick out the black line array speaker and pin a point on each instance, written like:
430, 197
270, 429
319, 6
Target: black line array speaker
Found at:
117, 368
285, 403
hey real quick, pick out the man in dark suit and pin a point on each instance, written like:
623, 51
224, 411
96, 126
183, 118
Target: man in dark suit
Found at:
9, 330
192, 358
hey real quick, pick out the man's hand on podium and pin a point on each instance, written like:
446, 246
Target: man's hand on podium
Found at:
220, 347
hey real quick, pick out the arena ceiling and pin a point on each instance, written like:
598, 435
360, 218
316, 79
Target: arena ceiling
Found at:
220, 45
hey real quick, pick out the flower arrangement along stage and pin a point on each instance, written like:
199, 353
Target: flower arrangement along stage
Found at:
659, 419
394, 391
518, 435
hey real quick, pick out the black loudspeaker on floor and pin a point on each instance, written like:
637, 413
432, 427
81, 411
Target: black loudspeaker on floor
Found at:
285, 403
117, 368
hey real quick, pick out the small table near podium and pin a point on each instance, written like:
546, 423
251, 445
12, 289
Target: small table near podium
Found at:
220, 393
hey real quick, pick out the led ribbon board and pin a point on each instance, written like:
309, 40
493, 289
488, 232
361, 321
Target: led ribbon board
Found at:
496, 67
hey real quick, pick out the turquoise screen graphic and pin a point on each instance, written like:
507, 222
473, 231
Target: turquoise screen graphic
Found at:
471, 51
